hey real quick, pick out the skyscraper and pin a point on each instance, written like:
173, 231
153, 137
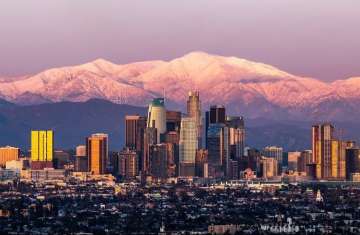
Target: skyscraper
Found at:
150, 138
338, 158
322, 135
352, 162
157, 117
8, 153
194, 111
128, 163
134, 132
188, 145
159, 162
97, 153
218, 149
236, 136
173, 120
215, 115
81, 160
42, 149
274, 152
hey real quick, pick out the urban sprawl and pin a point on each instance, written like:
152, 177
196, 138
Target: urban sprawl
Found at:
181, 174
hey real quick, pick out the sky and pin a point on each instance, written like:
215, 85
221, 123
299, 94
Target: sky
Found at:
319, 39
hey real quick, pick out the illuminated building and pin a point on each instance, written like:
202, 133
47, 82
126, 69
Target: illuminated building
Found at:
274, 152
157, 117
194, 111
97, 153
128, 163
293, 160
338, 158
81, 160
187, 146
42, 149
322, 135
8, 153
270, 167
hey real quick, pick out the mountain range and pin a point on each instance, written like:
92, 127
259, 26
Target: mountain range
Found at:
252, 89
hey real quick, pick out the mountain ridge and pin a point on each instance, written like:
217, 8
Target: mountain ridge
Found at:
245, 87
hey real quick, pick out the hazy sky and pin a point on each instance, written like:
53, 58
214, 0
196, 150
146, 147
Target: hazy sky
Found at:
318, 38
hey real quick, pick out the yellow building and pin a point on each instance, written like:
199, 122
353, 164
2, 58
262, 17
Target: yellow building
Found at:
338, 162
8, 153
42, 150
97, 153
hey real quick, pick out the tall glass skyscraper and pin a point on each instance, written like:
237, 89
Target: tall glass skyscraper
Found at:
188, 145
157, 117
194, 111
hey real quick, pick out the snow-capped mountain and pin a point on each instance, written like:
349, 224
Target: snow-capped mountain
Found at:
245, 87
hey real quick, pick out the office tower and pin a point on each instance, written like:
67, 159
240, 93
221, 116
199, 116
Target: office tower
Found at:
215, 115
172, 137
218, 149
60, 159
173, 120
97, 153
81, 160
274, 152
150, 138
187, 146
322, 135
159, 161
352, 162
157, 117
201, 163
338, 158
42, 149
304, 160
236, 136
270, 167
293, 160
8, 153
128, 163
134, 131
253, 160
194, 111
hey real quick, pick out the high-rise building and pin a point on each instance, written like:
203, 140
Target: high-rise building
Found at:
218, 149
293, 160
304, 160
150, 138
188, 145
173, 120
201, 163
42, 142
81, 160
322, 135
97, 153
338, 158
134, 132
352, 162
157, 117
159, 161
236, 136
270, 167
215, 115
194, 111
61, 159
128, 163
274, 152
8, 153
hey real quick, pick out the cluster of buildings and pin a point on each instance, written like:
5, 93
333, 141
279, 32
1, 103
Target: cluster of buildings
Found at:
167, 145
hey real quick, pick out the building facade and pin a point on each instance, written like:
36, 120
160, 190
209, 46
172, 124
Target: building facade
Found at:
42, 151
97, 153
188, 145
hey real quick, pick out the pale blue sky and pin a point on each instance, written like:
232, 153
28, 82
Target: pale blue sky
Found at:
318, 38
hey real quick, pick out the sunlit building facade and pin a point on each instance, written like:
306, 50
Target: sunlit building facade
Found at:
42, 149
188, 145
97, 153
157, 117
8, 153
